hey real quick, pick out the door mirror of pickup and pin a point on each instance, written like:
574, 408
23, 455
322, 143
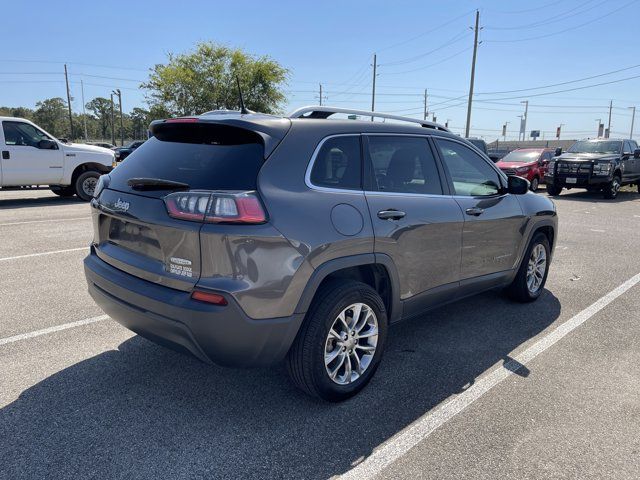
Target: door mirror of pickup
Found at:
558, 151
636, 153
517, 185
47, 145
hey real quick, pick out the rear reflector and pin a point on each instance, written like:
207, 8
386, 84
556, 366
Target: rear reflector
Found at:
215, 207
208, 297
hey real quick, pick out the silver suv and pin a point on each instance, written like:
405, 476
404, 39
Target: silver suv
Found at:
247, 239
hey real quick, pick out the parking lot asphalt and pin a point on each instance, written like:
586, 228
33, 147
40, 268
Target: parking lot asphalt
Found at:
96, 401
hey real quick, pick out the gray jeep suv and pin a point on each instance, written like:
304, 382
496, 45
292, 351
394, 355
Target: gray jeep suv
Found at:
246, 239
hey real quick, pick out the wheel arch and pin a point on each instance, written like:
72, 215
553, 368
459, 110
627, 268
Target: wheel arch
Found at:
376, 270
88, 166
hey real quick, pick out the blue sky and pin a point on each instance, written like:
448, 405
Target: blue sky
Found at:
420, 44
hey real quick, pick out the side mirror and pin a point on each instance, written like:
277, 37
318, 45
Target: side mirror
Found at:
558, 151
47, 145
636, 153
517, 185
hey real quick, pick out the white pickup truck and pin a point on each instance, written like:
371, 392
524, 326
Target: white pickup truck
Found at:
31, 156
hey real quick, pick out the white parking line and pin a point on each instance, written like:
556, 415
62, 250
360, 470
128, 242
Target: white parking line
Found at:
44, 221
57, 328
419, 430
6, 259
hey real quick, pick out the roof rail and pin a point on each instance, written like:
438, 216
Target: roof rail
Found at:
325, 112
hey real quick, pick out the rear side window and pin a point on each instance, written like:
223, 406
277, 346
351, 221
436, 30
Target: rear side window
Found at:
338, 164
403, 165
204, 156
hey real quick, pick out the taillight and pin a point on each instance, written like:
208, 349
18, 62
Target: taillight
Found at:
216, 207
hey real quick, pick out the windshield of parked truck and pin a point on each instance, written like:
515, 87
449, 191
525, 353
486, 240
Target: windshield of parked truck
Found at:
596, 147
521, 156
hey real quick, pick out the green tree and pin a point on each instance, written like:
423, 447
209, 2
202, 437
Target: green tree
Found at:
101, 109
52, 115
205, 79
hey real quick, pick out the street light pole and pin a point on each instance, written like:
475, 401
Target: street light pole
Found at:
526, 114
633, 118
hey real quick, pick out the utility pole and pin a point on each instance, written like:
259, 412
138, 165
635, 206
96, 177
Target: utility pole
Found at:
608, 132
113, 132
504, 131
633, 118
320, 94
84, 113
600, 127
524, 119
119, 94
424, 117
473, 73
66, 78
373, 91
446, 124
559, 130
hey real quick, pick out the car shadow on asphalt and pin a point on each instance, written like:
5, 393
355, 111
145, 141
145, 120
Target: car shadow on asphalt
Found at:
595, 197
142, 411
39, 202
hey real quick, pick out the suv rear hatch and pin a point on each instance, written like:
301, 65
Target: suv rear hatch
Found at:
148, 217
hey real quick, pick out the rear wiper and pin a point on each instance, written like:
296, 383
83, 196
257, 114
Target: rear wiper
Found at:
156, 184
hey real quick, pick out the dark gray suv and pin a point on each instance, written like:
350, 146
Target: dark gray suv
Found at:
246, 239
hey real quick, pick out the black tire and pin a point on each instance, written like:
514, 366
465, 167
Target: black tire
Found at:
535, 183
553, 190
610, 191
306, 358
518, 290
66, 192
83, 182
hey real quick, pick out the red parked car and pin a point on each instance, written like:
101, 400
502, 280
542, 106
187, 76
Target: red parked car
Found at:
529, 163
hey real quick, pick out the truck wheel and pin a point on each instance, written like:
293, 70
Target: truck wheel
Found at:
85, 184
534, 184
63, 191
612, 188
340, 343
553, 190
532, 274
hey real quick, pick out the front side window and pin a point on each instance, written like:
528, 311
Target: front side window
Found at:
403, 165
22, 134
338, 164
470, 173
627, 147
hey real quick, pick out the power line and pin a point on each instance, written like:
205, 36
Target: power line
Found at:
541, 7
404, 42
562, 83
558, 32
554, 19
574, 89
458, 37
432, 64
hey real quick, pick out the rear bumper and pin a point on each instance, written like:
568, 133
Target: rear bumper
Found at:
224, 335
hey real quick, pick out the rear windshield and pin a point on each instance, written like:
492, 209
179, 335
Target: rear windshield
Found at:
208, 157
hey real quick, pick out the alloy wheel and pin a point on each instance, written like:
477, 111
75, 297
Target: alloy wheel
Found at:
351, 343
536, 268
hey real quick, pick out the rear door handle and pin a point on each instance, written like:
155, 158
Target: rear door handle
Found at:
6, 155
390, 214
475, 211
